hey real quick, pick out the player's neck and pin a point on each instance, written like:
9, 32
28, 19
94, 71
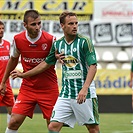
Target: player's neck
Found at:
32, 36
70, 39
0, 40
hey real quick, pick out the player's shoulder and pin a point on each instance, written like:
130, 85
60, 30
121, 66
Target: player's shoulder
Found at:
6, 42
47, 35
83, 37
59, 40
86, 39
22, 33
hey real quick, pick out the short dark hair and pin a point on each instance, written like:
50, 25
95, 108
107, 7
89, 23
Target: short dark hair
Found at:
64, 15
30, 13
1, 23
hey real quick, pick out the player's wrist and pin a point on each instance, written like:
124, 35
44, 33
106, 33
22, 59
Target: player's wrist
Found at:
3, 82
23, 75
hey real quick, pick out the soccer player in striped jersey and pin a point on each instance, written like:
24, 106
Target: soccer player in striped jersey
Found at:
33, 45
77, 101
7, 99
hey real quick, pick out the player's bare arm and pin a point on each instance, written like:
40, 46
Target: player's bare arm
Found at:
90, 76
36, 70
131, 80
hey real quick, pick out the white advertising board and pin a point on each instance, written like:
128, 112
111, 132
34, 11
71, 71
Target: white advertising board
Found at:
102, 33
113, 10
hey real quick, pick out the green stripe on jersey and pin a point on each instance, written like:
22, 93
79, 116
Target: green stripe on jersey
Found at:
132, 66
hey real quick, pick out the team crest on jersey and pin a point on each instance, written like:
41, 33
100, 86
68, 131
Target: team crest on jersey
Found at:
74, 50
70, 61
44, 46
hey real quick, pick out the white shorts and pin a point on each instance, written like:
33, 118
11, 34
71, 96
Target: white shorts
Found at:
68, 111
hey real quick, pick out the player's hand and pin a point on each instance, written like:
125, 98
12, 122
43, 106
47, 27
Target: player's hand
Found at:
82, 96
2, 89
16, 73
60, 56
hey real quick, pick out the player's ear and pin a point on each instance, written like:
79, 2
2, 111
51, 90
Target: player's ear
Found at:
25, 25
62, 25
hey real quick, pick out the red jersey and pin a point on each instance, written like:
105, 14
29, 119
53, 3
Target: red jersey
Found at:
4, 57
34, 53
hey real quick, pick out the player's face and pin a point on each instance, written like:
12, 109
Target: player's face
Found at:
70, 26
1, 31
33, 26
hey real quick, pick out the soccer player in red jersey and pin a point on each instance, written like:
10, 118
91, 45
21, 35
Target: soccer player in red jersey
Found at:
33, 45
7, 99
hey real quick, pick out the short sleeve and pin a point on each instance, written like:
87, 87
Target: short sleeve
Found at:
89, 52
132, 66
14, 51
51, 59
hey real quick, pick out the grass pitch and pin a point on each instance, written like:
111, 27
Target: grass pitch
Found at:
109, 123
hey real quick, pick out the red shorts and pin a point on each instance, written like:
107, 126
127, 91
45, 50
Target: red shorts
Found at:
8, 99
27, 100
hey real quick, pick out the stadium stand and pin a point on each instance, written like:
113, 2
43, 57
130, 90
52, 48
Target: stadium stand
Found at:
122, 56
114, 57
108, 56
126, 66
111, 66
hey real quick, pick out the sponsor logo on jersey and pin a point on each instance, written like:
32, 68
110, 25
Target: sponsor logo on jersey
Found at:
33, 60
73, 74
70, 61
4, 57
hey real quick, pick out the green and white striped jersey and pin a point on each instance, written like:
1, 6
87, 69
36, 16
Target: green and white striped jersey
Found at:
78, 56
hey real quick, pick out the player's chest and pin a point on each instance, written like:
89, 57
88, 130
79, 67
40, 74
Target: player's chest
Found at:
4, 50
